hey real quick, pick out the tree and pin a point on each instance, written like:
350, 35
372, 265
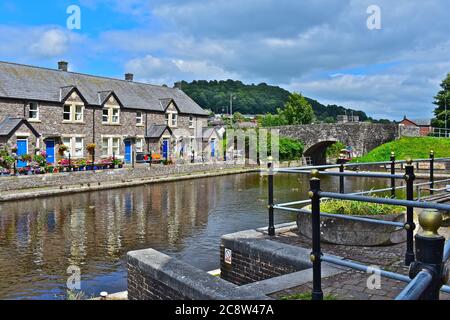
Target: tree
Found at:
441, 100
297, 110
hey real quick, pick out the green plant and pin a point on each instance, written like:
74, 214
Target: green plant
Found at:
26, 157
306, 296
334, 150
357, 208
91, 147
40, 160
62, 148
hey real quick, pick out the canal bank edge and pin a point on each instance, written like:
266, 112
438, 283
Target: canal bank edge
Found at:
29, 187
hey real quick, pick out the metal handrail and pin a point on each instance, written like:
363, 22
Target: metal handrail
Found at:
416, 287
446, 251
394, 202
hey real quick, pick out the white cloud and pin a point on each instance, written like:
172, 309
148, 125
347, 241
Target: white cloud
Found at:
51, 43
167, 71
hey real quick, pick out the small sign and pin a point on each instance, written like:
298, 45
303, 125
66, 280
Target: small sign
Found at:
228, 255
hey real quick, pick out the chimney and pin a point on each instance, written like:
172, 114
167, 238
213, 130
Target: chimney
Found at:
129, 77
63, 65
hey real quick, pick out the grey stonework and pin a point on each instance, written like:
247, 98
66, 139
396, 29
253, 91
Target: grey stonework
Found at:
363, 137
9, 183
155, 276
51, 125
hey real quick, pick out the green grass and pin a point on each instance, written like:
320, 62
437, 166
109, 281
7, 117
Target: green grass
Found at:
356, 208
306, 296
415, 148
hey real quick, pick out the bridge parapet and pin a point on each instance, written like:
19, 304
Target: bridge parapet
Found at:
362, 136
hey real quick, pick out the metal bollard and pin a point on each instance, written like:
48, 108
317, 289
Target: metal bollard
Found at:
409, 225
271, 229
431, 172
429, 252
341, 180
392, 172
316, 254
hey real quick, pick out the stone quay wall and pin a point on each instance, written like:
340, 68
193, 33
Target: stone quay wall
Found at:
255, 259
153, 275
92, 178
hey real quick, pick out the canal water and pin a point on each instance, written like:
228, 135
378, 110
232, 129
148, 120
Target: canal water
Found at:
41, 238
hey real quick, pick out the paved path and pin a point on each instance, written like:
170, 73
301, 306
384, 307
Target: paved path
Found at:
352, 285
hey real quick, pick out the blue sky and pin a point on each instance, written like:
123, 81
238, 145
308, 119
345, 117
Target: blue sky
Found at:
321, 48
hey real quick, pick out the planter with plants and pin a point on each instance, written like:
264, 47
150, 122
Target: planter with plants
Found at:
356, 233
62, 149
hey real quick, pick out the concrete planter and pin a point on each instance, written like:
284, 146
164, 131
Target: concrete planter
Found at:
355, 233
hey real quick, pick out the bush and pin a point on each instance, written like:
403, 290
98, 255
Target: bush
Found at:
357, 208
290, 149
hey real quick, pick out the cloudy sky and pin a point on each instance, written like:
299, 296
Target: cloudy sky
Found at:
322, 48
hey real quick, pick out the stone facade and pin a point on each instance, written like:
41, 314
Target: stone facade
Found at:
91, 128
363, 137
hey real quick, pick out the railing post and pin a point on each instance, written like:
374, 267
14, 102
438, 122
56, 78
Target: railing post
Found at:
409, 225
271, 229
341, 180
430, 251
392, 172
70, 162
316, 254
431, 172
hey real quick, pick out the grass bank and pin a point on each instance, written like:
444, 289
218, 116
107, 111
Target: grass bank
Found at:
416, 148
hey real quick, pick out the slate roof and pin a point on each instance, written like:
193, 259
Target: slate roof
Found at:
207, 133
422, 122
156, 131
9, 125
35, 83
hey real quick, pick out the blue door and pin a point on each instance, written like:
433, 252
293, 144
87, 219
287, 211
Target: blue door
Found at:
166, 149
22, 149
50, 151
128, 151
213, 148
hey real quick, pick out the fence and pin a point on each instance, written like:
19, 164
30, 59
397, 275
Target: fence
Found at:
427, 272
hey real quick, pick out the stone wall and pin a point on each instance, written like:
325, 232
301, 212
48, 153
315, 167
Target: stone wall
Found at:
155, 276
8, 183
363, 137
255, 259
409, 131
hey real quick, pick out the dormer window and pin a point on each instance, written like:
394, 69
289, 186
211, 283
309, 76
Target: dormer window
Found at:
73, 113
33, 111
172, 119
111, 114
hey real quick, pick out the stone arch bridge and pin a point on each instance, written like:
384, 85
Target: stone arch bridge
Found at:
362, 136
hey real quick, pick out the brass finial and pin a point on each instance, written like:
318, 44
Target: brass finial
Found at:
270, 159
315, 173
432, 152
392, 153
430, 220
409, 161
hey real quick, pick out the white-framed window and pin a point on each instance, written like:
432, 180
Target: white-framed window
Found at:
174, 120
140, 145
171, 119
111, 145
191, 122
67, 141
78, 147
139, 118
67, 112
79, 113
75, 146
33, 112
167, 119
73, 113
111, 115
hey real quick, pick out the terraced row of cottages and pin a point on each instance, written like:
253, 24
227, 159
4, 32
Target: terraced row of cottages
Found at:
41, 109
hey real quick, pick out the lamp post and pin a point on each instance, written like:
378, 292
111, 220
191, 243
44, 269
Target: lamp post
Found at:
232, 97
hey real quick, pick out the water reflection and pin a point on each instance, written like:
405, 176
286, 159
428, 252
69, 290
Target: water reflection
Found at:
40, 239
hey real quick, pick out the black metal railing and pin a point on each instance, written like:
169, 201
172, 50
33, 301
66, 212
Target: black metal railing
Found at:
427, 272
342, 174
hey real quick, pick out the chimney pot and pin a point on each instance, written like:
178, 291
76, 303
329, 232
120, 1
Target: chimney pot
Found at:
129, 76
63, 65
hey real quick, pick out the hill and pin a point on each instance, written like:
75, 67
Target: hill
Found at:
416, 148
254, 99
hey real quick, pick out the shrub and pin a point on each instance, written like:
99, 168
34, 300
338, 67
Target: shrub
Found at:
357, 208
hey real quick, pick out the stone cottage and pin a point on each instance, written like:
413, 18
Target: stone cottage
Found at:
44, 108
